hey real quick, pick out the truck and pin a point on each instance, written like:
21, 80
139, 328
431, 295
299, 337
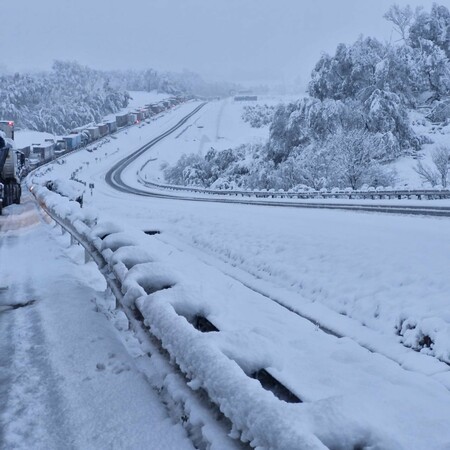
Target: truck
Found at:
112, 126
94, 132
122, 119
45, 151
132, 118
7, 126
103, 128
73, 141
12, 169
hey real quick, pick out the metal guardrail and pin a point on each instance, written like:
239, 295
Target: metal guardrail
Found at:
256, 432
419, 194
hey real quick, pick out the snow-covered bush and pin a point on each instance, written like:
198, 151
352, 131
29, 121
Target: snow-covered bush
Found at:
258, 115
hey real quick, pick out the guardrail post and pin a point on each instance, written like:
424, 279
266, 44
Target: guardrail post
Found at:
87, 256
72, 240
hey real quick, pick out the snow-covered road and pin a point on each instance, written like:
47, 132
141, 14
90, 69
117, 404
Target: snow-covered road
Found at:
66, 378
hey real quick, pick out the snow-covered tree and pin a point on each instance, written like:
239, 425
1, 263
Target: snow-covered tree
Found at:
433, 26
402, 18
427, 173
355, 154
441, 159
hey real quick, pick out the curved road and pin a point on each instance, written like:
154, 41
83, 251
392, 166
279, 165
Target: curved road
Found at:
114, 179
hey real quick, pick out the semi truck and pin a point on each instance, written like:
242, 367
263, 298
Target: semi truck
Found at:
12, 168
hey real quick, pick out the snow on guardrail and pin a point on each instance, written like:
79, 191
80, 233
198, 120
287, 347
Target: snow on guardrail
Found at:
159, 294
257, 416
381, 193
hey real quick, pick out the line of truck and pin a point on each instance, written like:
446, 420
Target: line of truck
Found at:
38, 154
15, 163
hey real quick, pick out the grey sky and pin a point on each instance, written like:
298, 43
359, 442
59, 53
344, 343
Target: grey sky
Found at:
238, 40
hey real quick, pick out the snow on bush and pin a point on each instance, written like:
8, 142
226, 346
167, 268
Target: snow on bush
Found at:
429, 335
258, 115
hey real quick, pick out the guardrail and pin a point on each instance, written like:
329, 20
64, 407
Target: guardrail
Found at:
257, 416
419, 194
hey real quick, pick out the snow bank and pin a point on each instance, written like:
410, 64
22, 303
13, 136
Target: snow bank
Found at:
67, 188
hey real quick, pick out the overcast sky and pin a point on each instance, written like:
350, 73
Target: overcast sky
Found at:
236, 40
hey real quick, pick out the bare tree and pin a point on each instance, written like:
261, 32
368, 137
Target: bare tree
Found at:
440, 159
440, 171
355, 155
427, 173
401, 18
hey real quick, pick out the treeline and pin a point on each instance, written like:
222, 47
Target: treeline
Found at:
68, 96
71, 95
355, 119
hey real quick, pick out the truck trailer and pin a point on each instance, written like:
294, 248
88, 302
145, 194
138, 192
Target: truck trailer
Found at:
73, 141
122, 120
44, 152
12, 168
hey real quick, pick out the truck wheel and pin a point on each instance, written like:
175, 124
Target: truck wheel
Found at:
17, 193
7, 195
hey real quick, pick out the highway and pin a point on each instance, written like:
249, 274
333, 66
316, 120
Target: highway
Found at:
114, 179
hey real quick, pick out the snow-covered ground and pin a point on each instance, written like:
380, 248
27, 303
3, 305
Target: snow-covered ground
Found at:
374, 269
218, 125
437, 134
368, 399
68, 379
359, 274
